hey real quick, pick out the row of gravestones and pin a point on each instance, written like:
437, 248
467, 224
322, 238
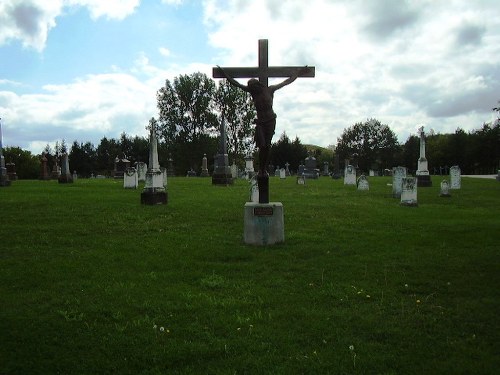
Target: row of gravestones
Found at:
405, 187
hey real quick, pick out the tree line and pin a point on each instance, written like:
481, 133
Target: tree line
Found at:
191, 109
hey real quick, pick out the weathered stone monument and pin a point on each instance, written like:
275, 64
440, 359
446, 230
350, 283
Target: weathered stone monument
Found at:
263, 221
249, 170
326, 172
65, 177
222, 172
409, 191
141, 168
4, 178
445, 189
455, 178
11, 171
44, 169
130, 178
254, 190
349, 175
398, 173
423, 177
362, 183
311, 170
56, 169
204, 166
120, 166
154, 191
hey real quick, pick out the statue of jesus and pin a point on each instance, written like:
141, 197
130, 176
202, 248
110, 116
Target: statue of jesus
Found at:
265, 123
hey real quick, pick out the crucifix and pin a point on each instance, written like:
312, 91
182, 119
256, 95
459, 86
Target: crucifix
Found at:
262, 95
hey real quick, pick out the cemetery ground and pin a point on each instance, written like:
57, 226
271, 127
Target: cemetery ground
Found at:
93, 282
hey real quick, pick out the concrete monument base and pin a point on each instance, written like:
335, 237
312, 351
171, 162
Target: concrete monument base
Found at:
65, 179
152, 197
264, 223
424, 180
222, 179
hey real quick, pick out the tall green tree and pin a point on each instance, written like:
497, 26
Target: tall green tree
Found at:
187, 120
370, 144
285, 151
82, 158
236, 108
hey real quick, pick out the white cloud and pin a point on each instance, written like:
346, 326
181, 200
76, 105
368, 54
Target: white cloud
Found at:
113, 9
404, 63
30, 21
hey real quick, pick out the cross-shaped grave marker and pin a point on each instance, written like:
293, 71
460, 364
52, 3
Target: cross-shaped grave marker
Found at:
263, 72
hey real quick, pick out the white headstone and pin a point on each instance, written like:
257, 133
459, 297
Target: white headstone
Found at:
130, 178
142, 168
164, 176
363, 183
282, 173
254, 190
350, 175
398, 173
409, 191
301, 180
455, 177
234, 171
445, 189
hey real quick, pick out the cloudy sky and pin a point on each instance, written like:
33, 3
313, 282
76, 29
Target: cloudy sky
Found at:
87, 69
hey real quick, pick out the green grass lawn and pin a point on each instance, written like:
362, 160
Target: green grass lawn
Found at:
93, 282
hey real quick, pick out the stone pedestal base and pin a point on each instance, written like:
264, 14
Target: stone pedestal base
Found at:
264, 223
222, 179
424, 181
154, 197
65, 179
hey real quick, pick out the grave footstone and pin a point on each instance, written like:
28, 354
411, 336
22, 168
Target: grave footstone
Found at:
363, 183
130, 178
409, 191
398, 173
350, 175
455, 178
445, 189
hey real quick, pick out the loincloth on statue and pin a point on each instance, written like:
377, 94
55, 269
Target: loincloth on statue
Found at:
264, 131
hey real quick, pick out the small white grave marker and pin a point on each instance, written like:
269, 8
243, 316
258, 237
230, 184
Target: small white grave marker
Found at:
409, 191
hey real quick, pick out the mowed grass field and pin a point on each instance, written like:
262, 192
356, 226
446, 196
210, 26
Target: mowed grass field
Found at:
93, 282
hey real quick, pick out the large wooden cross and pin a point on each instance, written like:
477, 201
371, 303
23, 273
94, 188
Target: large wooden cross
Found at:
263, 72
